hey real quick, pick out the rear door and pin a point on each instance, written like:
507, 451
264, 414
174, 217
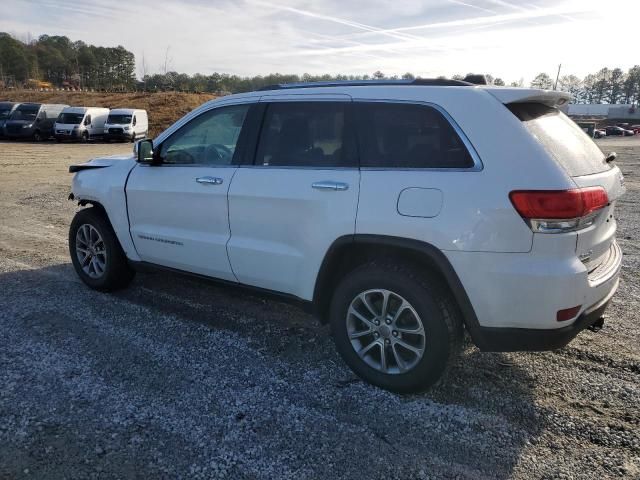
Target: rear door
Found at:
178, 210
298, 197
585, 163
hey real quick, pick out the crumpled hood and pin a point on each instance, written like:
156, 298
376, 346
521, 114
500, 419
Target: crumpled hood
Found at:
119, 161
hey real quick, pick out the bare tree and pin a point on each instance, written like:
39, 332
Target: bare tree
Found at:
144, 72
542, 81
615, 86
572, 85
167, 60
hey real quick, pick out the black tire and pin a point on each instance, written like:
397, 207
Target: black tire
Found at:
85, 137
435, 306
37, 136
117, 272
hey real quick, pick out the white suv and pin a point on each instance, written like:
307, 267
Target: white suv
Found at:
400, 212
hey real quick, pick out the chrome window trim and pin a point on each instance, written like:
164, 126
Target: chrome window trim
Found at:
285, 167
189, 165
478, 166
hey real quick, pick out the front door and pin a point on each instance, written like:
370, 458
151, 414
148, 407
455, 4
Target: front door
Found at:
178, 210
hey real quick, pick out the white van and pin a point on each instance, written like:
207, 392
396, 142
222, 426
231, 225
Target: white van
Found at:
126, 124
80, 123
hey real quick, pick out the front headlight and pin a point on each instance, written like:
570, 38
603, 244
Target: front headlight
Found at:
26, 126
126, 129
76, 127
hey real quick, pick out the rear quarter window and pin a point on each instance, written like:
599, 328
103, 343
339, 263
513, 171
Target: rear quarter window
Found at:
405, 136
562, 138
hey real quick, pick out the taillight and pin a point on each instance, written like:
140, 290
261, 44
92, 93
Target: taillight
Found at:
553, 211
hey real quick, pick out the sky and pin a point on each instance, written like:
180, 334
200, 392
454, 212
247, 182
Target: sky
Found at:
506, 38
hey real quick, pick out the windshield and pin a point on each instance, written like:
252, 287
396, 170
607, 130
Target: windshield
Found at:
25, 113
120, 119
562, 138
71, 118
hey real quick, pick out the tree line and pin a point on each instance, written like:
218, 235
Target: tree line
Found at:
605, 86
63, 63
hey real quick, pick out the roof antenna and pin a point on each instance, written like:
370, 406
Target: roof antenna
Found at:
476, 79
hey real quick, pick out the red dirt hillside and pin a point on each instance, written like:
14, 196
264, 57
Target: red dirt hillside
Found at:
164, 108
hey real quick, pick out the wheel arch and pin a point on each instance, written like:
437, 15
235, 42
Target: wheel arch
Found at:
95, 204
348, 252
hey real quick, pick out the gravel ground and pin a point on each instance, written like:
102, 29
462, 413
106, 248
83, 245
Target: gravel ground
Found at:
174, 378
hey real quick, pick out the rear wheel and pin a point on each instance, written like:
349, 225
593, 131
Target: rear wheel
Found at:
96, 253
395, 327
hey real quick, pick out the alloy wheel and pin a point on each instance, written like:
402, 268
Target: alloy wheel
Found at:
385, 331
91, 251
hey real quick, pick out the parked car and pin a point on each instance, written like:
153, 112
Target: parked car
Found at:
81, 123
618, 131
599, 133
635, 128
33, 120
126, 124
399, 212
6, 109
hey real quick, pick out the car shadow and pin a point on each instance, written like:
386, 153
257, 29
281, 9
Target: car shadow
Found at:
475, 424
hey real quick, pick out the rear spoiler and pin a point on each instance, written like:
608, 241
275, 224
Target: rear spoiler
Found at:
550, 98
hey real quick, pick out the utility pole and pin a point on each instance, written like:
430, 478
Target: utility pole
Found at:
555, 85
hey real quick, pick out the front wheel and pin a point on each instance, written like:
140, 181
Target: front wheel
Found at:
395, 327
96, 253
37, 136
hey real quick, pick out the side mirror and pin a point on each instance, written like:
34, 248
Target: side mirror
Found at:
144, 150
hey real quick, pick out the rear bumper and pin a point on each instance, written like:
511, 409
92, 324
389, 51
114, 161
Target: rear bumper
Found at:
492, 339
516, 297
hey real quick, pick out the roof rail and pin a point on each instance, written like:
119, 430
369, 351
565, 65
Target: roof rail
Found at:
436, 82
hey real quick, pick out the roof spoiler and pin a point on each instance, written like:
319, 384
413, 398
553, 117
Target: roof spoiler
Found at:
550, 98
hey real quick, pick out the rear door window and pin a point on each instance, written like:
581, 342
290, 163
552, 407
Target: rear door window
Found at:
562, 138
307, 134
405, 135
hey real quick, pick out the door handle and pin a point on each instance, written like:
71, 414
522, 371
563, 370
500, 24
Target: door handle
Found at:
209, 180
330, 185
